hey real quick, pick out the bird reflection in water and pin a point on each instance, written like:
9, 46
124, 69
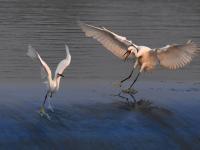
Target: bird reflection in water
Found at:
146, 107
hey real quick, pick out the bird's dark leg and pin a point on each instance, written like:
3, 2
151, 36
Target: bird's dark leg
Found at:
135, 65
134, 80
50, 106
133, 97
42, 110
123, 97
129, 90
128, 76
45, 99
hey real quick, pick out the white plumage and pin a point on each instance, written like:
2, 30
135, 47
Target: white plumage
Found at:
176, 56
52, 83
117, 44
171, 56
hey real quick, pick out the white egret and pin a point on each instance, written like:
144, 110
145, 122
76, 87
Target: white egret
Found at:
171, 56
51, 83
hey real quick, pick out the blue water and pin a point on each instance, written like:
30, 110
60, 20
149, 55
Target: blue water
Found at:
91, 117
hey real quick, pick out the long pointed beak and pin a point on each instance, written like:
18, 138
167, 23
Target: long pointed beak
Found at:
61, 75
127, 53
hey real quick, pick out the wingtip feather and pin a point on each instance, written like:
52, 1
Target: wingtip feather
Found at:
67, 52
32, 53
82, 25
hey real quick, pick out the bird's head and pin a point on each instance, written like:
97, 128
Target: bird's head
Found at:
131, 50
59, 75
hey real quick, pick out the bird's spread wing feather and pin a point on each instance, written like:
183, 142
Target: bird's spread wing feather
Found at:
64, 63
117, 44
45, 70
176, 56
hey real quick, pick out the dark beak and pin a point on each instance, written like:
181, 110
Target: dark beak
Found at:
127, 53
60, 75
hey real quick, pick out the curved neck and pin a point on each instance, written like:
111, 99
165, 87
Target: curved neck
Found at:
137, 55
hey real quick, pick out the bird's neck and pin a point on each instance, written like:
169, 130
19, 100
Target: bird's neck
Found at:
142, 51
137, 55
52, 83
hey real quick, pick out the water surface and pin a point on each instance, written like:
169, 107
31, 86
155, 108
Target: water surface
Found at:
48, 25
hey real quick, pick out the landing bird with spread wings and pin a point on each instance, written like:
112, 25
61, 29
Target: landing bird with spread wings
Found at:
171, 56
51, 83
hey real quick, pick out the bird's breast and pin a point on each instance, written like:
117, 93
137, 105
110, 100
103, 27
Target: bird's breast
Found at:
149, 60
53, 86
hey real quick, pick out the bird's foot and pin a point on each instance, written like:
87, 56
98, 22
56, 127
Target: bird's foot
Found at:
43, 113
117, 84
130, 91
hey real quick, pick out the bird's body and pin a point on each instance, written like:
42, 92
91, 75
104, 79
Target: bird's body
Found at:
171, 56
147, 58
52, 84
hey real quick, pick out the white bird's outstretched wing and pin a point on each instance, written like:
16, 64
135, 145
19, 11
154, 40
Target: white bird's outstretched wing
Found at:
45, 70
117, 44
176, 56
64, 63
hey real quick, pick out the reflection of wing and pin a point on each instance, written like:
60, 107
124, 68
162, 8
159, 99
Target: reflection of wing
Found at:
64, 63
176, 56
45, 70
118, 45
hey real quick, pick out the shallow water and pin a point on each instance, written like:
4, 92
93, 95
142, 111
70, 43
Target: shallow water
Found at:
87, 114
91, 117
